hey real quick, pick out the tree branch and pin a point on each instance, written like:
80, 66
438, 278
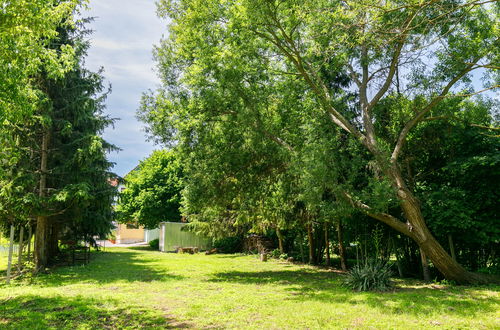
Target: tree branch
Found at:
409, 125
321, 92
388, 219
393, 65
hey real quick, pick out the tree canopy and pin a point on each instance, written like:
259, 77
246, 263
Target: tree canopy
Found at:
152, 191
251, 88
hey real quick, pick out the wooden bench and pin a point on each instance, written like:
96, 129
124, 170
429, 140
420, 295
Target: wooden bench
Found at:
74, 249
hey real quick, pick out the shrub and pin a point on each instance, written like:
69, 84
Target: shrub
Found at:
229, 244
155, 244
275, 253
370, 276
491, 270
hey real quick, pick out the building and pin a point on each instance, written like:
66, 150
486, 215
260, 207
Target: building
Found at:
130, 233
173, 237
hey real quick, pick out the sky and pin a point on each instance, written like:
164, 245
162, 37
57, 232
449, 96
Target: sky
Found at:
124, 34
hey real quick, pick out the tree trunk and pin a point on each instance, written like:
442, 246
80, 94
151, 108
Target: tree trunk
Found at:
11, 251
20, 253
398, 257
399, 265
452, 247
425, 266
42, 222
319, 249
311, 243
416, 229
53, 239
340, 236
42, 243
301, 247
30, 234
434, 251
327, 245
280, 240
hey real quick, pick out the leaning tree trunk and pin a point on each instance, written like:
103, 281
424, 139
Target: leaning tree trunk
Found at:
416, 228
11, 251
42, 222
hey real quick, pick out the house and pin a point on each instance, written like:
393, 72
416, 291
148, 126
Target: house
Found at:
131, 233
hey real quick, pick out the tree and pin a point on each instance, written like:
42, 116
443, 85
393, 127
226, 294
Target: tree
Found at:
152, 193
74, 196
56, 171
26, 30
422, 50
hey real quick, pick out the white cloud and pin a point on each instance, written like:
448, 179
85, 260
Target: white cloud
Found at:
112, 45
133, 72
124, 34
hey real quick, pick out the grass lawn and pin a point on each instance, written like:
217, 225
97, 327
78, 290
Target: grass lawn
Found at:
139, 288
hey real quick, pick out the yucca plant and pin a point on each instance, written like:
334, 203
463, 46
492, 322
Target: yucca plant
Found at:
372, 275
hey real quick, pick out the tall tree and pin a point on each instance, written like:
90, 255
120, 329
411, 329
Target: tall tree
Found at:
74, 195
152, 192
55, 170
415, 48
26, 30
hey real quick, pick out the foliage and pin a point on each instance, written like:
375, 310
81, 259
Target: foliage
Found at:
275, 253
229, 244
27, 29
155, 244
80, 171
288, 111
152, 193
458, 161
371, 275
278, 255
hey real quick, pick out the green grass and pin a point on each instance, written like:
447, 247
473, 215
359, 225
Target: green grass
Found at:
139, 288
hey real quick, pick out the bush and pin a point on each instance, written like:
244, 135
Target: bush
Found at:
491, 270
155, 244
373, 275
275, 253
229, 244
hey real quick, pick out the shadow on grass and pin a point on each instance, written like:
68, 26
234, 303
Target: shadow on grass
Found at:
230, 256
326, 286
108, 267
142, 248
34, 312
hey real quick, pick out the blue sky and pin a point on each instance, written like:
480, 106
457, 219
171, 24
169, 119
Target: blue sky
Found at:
124, 34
